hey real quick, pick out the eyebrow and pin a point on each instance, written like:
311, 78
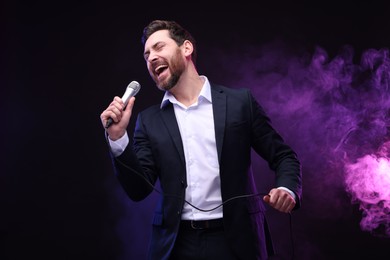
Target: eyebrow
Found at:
152, 47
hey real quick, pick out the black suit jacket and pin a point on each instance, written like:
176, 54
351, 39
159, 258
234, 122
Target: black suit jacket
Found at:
240, 126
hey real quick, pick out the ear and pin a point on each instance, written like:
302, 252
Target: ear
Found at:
188, 48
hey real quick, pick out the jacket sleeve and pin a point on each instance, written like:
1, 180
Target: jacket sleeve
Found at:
269, 144
135, 168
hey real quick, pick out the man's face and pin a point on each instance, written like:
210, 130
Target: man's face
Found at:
164, 59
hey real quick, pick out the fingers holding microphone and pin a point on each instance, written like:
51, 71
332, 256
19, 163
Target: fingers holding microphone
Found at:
113, 111
115, 118
117, 115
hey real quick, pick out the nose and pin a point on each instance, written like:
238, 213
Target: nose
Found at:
152, 57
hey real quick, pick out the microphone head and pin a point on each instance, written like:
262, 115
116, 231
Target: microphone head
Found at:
135, 86
131, 90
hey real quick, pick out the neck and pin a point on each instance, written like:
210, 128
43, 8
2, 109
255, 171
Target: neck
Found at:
188, 88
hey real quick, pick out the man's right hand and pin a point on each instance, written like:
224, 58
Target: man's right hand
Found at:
120, 116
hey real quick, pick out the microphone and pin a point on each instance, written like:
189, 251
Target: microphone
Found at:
131, 90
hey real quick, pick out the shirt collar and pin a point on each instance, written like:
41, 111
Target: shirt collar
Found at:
205, 93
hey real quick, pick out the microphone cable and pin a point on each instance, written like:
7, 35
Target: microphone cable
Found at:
200, 209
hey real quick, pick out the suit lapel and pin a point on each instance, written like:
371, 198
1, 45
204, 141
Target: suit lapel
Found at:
219, 113
169, 119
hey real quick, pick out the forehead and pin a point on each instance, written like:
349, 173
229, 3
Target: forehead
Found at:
159, 36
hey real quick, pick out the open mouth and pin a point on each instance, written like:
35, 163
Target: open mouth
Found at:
160, 69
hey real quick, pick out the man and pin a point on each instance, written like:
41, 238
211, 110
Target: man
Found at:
198, 143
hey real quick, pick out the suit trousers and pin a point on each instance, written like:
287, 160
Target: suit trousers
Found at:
201, 244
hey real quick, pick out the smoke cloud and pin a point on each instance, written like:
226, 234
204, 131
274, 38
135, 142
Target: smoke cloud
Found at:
368, 180
335, 113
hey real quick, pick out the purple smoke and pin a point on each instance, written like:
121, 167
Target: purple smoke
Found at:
368, 180
335, 113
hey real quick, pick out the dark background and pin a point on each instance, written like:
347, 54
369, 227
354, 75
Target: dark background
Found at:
62, 63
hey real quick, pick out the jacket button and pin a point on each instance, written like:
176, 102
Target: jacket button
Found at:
178, 212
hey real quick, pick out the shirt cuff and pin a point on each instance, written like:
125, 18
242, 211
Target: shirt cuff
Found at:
118, 146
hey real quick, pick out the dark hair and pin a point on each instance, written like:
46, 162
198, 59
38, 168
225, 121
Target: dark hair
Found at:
176, 32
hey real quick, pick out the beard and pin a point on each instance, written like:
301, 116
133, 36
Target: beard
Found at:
177, 67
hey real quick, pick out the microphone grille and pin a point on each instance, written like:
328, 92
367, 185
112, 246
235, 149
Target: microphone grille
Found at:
134, 85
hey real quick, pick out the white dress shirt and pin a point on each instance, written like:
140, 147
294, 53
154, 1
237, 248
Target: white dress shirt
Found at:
196, 125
